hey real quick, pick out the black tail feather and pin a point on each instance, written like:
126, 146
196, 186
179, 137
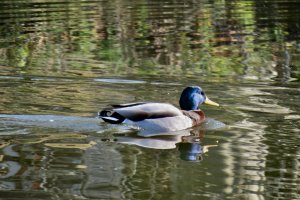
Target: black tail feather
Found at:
109, 116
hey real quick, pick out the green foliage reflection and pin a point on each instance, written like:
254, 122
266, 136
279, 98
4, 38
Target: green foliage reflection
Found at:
220, 38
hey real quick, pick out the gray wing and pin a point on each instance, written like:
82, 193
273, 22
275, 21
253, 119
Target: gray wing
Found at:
141, 111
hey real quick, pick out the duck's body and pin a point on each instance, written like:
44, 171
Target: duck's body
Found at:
160, 117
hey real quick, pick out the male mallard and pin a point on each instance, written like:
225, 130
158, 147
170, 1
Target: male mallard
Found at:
161, 117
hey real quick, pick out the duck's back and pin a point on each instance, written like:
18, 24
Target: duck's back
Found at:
142, 111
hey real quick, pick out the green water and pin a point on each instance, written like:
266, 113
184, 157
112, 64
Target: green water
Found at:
62, 61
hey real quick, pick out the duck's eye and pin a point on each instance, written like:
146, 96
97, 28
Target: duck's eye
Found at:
202, 93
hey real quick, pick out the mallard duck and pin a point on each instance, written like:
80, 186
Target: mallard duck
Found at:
161, 117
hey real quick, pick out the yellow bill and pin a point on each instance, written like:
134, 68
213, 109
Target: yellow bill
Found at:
210, 102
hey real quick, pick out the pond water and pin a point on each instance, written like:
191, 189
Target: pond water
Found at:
62, 61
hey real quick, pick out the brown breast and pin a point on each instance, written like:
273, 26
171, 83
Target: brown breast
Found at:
197, 116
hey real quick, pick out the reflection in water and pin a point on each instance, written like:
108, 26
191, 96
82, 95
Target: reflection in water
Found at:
63, 58
248, 138
190, 37
187, 142
257, 164
189, 151
50, 157
49, 153
71, 145
184, 139
257, 154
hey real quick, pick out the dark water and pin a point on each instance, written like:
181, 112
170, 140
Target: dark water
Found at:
61, 61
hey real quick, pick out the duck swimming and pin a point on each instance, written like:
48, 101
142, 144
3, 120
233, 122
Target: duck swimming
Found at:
161, 117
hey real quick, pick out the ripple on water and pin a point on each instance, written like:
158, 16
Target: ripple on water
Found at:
122, 81
47, 121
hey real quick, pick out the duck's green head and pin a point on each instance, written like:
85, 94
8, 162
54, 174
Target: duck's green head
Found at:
192, 97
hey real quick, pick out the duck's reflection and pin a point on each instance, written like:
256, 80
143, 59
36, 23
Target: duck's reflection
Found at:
190, 151
187, 142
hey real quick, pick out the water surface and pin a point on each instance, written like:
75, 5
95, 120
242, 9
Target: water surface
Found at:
62, 61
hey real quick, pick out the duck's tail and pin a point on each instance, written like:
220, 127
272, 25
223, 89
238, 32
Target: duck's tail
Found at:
110, 116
